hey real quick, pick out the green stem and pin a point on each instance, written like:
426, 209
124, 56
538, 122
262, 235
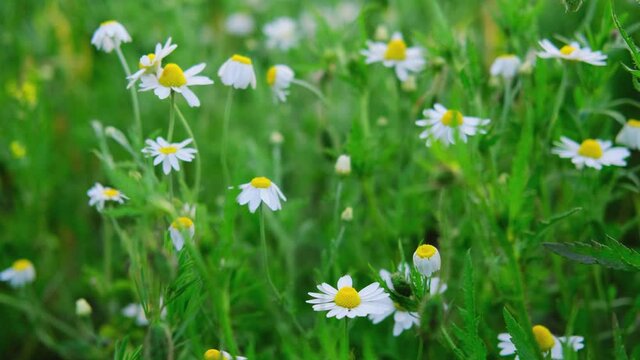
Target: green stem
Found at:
107, 249
196, 186
337, 207
172, 116
225, 134
265, 256
345, 344
420, 347
558, 103
134, 100
312, 89
364, 113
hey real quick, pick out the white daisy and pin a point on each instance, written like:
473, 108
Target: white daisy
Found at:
426, 259
172, 78
506, 66
445, 125
282, 33
238, 72
593, 153
630, 134
151, 63
169, 153
239, 24
548, 343
395, 54
99, 194
572, 52
215, 354
136, 311
346, 301
19, 274
343, 165
279, 78
179, 227
260, 190
109, 35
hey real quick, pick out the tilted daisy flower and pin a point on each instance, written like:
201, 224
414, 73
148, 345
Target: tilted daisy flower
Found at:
593, 153
282, 33
279, 78
99, 194
426, 259
19, 274
630, 134
215, 354
506, 66
150, 64
346, 301
445, 125
261, 190
178, 228
549, 344
573, 51
239, 24
395, 54
109, 35
238, 72
172, 78
169, 153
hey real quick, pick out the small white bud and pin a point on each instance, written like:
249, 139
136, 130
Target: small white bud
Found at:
276, 138
347, 214
82, 307
343, 165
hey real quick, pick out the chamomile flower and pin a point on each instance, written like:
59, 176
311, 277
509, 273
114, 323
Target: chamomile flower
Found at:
506, 66
395, 54
446, 124
238, 72
150, 64
19, 274
261, 190
99, 194
180, 226
172, 78
346, 301
239, 24
282, 33
215, 354
279, 78
593, 153
573, 52
426, 259
169, 154
549, 344
630, 134
109, 35
343, 165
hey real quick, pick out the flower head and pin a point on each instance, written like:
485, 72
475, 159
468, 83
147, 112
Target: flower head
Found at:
343, 165
444, 124
83, 308
347, 214
99, 194
19, 274
215, 354
630, 134
347, 301
261, 190
239, 24
426, 259
593, 153
547, 342
573, 52
506, 66
279, 78
282, 33
238, 72
172, 78
151, 64
109, 35
169, 154
395, 54
178, 228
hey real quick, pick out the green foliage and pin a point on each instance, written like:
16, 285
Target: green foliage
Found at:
612, 254
520, 337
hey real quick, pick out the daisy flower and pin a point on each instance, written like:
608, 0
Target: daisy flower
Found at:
343, 165
261, 190
395, 54
83, 308
19, 274
549, 344
346, 301
239, 24
630, 134
506, 66
151, 63
593, 153
99, 194
215, 354
426, 259
279, 78
109, 35
172, 78
282, 33
169, 153
238, 72
177, 229
444, 124
573, 51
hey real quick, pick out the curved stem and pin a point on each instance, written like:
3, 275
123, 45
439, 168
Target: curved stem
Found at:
134, 100
225, 134
172, 116
312, 89
185, 124
265, 256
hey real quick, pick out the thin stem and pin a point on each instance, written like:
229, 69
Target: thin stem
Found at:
558, 103
172, 116
364, 112
134, 100
185, 124
420, 347
225, 134
337, 207
506, 103
265, 256
345, 343
277, 163
312, 89
107, 249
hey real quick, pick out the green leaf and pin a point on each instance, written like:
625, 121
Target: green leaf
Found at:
524, 348
612, 255
631, 45
618, 342
547, 224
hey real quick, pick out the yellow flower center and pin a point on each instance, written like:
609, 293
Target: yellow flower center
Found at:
567, 50
426, 251
213, 354
21, 265
633, 123
241, 59
182, 223
396, 50
151, 57
17, 150
347, 297
271, 76
590, 148
166, 150
452, 118
260, 182
108, 22
543, 338
110, 193
506, 56
172, 76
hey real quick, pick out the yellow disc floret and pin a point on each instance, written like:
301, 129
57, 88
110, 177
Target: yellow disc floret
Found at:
452, 118
261, 182
172, 76
166, 150
241, 59
182, 223
426, 251
590, 148
271, 76
110, 192
347, 297
567, 50
396, 50
544, 338
21, 265
633, 123
213, 354
108, 22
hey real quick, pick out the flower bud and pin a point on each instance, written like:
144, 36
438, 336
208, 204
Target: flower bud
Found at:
343, 165
83, 308
347, 214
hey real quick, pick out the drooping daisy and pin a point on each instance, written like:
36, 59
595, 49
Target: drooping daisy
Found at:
593, 153
19, 274
215, 354
109, 35
343, 165
426, 259
179, 227
150, 64
548, 343
506, 66
279, 78
346, 301
238, 72
630, 134
445, 125
261, 190
395, 54
239, 24
169, 153
573, 51
281, 33
99, 194
172, 78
